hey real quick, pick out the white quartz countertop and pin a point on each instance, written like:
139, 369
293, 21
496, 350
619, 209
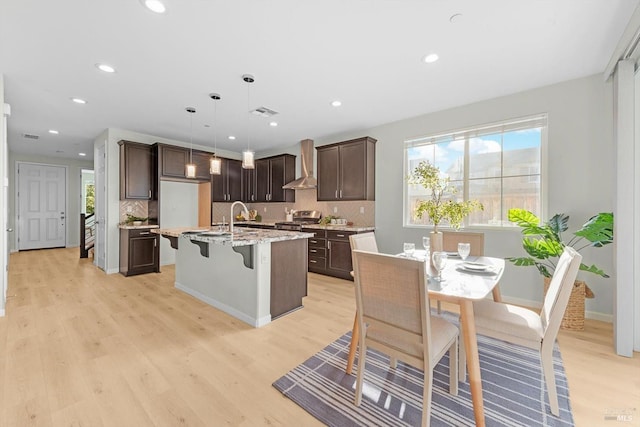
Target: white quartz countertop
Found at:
137, 227
241, 236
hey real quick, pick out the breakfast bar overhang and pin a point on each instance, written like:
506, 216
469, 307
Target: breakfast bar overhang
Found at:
253, 275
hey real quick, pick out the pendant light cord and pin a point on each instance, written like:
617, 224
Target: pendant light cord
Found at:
191, 139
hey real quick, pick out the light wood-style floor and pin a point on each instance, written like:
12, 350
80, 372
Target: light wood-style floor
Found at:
82, 348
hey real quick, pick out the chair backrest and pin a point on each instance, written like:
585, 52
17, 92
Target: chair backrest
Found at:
392, 298
450, 240
364, 242
557, 298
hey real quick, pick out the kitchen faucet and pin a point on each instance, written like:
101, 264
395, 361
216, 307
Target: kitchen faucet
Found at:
246, 211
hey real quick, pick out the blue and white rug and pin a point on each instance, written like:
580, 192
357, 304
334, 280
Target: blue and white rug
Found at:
512, 384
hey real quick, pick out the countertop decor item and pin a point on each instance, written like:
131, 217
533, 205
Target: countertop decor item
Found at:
544, 245
134, 220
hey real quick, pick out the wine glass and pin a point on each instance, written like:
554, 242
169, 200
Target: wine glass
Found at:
426, 244
463, 250
439, 261
408, 249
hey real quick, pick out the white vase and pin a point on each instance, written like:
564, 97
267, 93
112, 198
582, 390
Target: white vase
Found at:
436, 242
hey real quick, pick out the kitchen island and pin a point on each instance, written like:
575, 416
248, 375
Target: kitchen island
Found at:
253, 275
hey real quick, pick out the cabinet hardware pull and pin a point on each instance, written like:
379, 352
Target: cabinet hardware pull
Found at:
149, 193
314, 241
336, 194
340, 235
341, 194
329, 245
155, 242
313, 251
313, 261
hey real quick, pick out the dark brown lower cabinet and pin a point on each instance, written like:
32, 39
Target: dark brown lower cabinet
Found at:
330, 253
288, 276
139, 252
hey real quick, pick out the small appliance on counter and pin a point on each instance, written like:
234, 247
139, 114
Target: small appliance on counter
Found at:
299, 219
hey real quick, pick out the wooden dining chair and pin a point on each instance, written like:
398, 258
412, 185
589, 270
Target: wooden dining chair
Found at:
395, 319
525, 327
363, 242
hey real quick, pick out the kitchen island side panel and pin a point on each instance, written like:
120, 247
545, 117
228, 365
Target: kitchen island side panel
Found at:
223, 281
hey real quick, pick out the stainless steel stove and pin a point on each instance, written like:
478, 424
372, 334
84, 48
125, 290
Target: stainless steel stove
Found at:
300, 219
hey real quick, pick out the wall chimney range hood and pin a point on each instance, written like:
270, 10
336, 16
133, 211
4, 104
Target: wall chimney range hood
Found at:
307, 180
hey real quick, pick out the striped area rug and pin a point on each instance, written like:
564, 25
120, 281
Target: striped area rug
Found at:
512, 383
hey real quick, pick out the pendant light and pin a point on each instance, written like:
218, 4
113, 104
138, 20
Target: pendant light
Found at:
247, 155
215, 163
190, 167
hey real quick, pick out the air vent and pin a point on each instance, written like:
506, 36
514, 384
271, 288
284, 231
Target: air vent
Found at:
264, 112
30, 136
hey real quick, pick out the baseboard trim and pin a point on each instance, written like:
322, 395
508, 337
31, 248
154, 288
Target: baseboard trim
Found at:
1, 312
113, 270
593, 315
256, 323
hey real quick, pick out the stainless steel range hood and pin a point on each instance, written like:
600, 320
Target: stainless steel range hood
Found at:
307, 180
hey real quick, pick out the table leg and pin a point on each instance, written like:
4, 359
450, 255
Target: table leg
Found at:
355, 336
496, 294
473, 361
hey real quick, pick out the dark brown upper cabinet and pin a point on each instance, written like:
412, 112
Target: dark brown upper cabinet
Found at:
271, 174
137, 171
346, 170
172, 162
227, 187
248, 185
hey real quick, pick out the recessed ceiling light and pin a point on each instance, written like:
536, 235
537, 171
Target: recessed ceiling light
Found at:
82, 154
106, 68
79, 100
273, 124
53, 131
231, 137
154, 5
336, 103
430, 58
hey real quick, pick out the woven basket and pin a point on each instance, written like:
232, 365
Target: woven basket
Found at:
574, 315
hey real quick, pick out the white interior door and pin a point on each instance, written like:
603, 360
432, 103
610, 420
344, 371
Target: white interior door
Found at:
4, 206
100, 250
42, 198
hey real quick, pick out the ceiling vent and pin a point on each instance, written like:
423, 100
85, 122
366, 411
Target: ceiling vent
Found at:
30, 136
264, 112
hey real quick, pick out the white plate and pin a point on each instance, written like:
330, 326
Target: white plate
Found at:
475, 266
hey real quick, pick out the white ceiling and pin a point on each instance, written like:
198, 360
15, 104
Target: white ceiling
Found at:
303, 54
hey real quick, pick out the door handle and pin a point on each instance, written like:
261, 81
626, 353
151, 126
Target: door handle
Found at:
10, 230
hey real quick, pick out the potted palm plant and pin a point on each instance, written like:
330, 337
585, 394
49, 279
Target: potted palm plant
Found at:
440, 207
544, 245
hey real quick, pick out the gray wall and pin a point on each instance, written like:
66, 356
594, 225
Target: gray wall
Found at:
579, 169
74, 167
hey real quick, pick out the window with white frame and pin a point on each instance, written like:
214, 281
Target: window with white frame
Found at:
497, 164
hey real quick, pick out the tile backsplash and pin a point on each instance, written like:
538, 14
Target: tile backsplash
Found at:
307, 200
139, 208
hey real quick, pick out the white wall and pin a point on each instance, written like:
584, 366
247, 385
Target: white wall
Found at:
579, 172
180, 209
74, 167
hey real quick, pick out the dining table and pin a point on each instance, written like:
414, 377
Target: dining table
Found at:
462, 282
